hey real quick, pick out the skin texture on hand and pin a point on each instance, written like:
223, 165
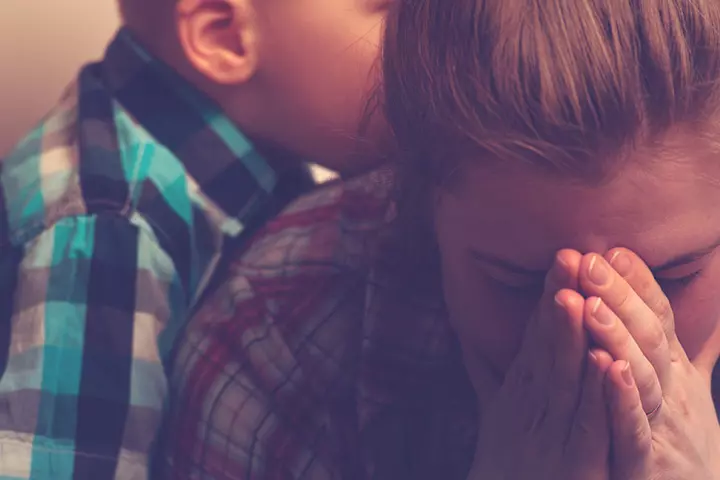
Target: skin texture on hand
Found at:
662, 417
547, 420
661, 421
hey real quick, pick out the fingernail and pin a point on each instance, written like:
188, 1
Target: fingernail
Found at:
558, 300
621, 263
560, 260
593, 357
602, 314
627, 375
598, 272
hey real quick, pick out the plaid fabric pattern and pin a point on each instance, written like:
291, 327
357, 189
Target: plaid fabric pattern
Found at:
294, 368
316, 362
114, 213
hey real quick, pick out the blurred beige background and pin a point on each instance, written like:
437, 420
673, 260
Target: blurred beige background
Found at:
42, 45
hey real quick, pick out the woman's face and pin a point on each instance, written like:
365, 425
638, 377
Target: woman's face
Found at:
498, 233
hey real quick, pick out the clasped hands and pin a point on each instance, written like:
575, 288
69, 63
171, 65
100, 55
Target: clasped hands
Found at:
601, 388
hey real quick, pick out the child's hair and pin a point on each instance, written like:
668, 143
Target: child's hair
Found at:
144, 13
567, 85
128, 8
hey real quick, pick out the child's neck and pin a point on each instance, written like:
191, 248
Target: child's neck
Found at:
279, 158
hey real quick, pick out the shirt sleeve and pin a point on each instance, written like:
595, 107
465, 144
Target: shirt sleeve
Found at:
264, 393
85, 307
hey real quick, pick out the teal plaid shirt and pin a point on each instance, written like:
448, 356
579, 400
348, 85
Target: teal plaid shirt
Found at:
114, 213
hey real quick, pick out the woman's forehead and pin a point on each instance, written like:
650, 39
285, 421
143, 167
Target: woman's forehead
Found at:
658, 214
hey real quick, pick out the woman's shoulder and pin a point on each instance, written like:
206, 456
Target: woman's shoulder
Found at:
297, 293
320, 310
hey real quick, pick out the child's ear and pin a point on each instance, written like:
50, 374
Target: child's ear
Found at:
219, 38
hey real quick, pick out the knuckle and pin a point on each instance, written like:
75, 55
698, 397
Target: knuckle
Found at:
641, 438
565, 394
537, 416
623, 295
648, 385
643, 283
624, 342
564, 390
521, 376
654, 340
584, 428
663, 310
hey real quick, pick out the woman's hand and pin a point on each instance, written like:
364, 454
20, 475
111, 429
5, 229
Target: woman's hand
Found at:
663, 421
548, 419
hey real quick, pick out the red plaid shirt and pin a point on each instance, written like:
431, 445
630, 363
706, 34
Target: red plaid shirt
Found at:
313, 363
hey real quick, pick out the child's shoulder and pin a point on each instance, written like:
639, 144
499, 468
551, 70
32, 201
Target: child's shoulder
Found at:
38, 177
333, 228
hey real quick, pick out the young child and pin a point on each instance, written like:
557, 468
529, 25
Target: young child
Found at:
539, 303
190, 133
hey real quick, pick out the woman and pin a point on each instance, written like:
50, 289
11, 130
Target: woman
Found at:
543, 306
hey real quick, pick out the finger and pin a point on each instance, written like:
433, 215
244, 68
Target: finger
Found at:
545, 377
589, 441
609, 333
602, 359
569, 342
561, 322
641, 279
562, 274
599, 279
631, 436
567, 262
568, 345
551, 356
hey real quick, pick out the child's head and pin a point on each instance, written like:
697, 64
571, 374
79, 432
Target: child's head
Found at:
295, 73
548, 124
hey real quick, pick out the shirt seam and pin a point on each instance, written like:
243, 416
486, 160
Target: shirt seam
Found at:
32, 230
69, 450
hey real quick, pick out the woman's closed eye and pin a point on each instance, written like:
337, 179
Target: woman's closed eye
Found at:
523, 282
677, 281
506, 275
519, 282
681, 276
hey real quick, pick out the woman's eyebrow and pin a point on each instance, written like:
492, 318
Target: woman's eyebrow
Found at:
686, 258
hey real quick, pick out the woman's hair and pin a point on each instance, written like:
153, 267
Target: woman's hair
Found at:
565, 85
